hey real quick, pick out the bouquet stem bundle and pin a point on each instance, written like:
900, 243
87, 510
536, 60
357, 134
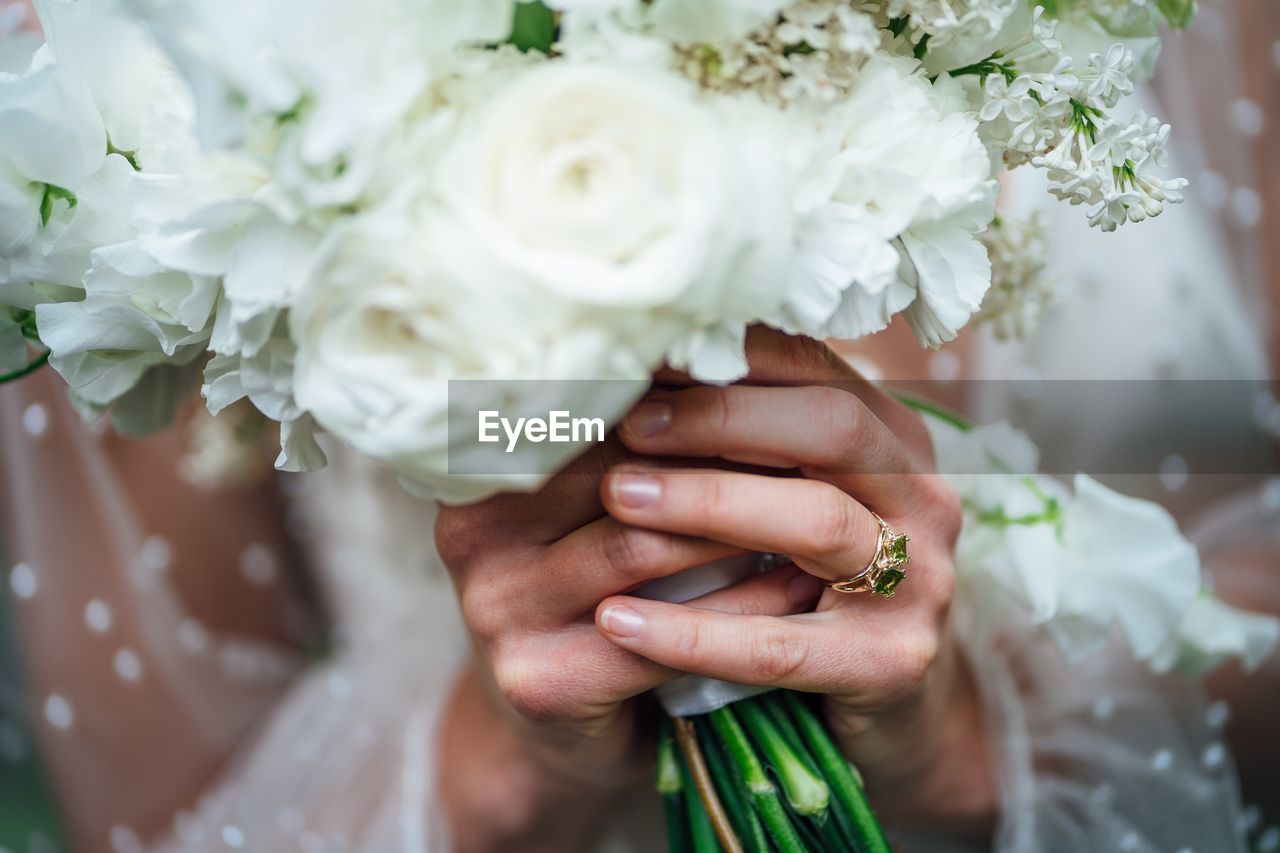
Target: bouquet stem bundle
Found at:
761, 775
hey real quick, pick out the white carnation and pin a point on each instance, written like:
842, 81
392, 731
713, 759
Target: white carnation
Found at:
889, 213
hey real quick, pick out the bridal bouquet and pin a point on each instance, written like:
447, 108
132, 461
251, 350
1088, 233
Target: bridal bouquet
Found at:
335, 209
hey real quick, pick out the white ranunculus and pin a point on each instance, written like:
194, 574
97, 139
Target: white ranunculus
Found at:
889, 211
400, 307
619, 191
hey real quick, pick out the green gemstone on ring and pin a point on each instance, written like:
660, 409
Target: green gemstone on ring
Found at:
893, 556
887, 581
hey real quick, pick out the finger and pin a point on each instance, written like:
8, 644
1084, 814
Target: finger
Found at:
605, 672
779, 359
812, 651
826, 532
607, 557
566, 502
572, 674
826, 433
777, 592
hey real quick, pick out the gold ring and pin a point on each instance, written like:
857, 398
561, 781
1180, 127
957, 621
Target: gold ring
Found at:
887, 568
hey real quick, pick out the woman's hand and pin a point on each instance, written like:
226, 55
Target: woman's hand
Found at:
542, 733
899, 697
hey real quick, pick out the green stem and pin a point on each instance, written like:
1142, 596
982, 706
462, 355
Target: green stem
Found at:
834, 836
763, 793
668, 781
777, 711
701, 833
805, 790
929, 408
733, 793
837, 770
36, 363
677, 829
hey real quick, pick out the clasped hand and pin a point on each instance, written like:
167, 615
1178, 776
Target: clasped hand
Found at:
792, 461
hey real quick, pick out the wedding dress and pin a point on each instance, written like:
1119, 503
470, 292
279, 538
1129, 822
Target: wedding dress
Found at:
271, 749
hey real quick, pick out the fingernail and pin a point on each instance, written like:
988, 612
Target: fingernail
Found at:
804, 589
637, 491
649, 419
622, 621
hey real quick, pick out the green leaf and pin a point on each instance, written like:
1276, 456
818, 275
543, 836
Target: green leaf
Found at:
51, 194
1179, 13
534, 27
131, 157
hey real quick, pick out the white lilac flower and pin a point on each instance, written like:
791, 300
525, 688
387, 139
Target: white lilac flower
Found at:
947, 21
1039, 106
1109, 77
812, 51
1021, 288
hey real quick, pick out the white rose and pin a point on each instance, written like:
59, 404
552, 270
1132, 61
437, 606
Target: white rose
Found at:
398, 308
621, 191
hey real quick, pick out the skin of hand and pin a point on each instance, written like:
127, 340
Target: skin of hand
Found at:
544, 730
898, 695
561, 652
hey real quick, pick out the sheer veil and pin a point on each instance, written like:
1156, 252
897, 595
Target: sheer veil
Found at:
177, 695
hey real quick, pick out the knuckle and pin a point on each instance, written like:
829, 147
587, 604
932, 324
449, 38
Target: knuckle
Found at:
916, 657
777, 655
812, 358
914, 436
834, 526
688, 644
633, 553
484, 612
714, 502
846, 422
943, 583
726, 408
459, 533
528, 689
952, 513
